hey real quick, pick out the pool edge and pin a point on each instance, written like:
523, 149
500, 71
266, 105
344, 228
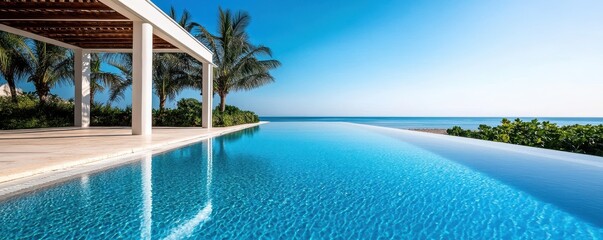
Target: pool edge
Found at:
595, 161
16, 184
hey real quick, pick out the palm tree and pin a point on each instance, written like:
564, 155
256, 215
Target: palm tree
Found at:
13, 63
171, 75
185, 20
123, 62
172, 72
237, 60
100, 79
49, 65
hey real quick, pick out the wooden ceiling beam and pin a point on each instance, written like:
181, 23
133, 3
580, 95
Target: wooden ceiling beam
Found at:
125, 40
116, 43
98, 45
50, 24
95, 36
120, 46
111, 43
68, 28
77, 30
21, 5
67, 20
43, 14
88, 35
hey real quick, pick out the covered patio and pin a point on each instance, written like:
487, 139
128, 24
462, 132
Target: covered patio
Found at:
87, 26
29, 153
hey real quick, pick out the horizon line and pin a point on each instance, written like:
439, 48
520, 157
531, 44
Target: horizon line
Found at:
432, 116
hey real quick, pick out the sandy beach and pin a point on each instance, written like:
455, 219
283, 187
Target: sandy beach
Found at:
431, 130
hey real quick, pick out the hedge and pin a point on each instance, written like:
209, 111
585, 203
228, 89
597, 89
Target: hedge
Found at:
587, 139
28, 113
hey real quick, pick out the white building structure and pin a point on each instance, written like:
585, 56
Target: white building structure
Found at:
87, 26
5, 90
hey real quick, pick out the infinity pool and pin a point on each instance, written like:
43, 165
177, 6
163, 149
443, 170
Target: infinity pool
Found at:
324, 180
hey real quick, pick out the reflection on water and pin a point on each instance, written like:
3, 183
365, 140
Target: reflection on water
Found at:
204, 213
574, 182
147, 196
310, 180
166, 195
233, 137
186, 226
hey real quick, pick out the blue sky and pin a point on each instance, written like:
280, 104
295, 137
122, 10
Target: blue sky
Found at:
420, 58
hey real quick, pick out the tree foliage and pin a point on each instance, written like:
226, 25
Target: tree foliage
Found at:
56, 112
586, 139
240, 64
100, 79
29, 113
172, 72
49, 65
13, 60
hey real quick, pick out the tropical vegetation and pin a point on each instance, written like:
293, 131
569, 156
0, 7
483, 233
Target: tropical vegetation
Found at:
49, 65
13, 60
587, 139
57, 112
240, 65
172, 72
100, 80
27, 112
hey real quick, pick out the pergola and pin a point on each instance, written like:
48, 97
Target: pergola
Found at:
87, 26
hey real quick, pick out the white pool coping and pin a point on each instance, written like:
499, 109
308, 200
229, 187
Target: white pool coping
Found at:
576, 158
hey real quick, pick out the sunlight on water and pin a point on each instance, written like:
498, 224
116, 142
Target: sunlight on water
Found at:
314, 180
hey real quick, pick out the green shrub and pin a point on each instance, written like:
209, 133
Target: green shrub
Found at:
186, 114
233, 116
586, 139
106, 115
28, 113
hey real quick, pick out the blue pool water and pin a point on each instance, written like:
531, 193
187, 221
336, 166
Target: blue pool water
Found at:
324, 180
434, 122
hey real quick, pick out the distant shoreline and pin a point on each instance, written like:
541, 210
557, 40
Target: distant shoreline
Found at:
431, 130
471, 123
419, 117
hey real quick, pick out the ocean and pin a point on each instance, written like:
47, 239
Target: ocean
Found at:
434, 122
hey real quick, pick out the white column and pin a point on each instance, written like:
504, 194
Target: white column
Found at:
82, 87
208, 95
142, 70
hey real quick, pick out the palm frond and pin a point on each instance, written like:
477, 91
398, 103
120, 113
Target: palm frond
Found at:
240, 64
253, 81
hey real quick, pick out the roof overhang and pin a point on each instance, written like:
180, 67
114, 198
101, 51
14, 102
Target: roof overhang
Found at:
97, 25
